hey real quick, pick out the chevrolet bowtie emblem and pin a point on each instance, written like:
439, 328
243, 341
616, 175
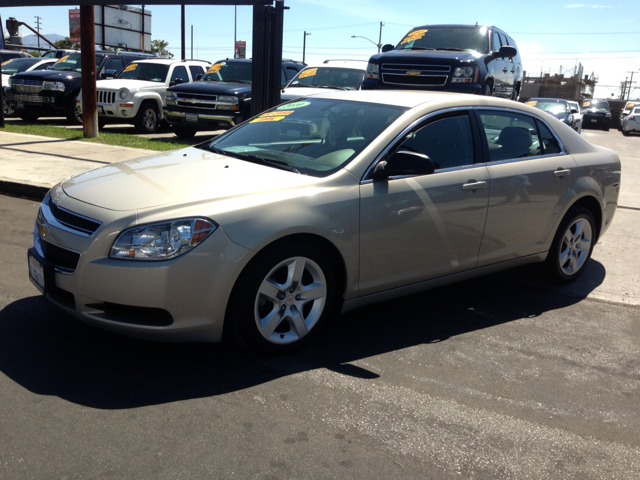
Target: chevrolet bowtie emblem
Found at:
43, 230
413, 72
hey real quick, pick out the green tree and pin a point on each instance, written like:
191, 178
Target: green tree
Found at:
159, 49
35, 53
66, 44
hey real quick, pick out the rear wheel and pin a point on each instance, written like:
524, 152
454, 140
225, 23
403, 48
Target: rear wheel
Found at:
572, 246
147, 119
282, 298
625, 133
183, 132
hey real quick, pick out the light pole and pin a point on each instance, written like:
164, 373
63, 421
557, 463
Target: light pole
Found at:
630, 84
304, 44
379, 44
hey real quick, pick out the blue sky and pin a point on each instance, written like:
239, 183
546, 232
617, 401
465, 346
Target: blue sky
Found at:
604, 35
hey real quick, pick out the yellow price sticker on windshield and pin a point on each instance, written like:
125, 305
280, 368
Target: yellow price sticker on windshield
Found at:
415, 35
130, 67
586, 104
215, 68
63, 59
309, 72
272, 116
532, 103
7, 61
629, 105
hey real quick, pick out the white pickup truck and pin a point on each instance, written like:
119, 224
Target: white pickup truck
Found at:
137, 94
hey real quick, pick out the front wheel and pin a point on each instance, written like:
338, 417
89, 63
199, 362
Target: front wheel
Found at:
74, 113
282, 298
572, 246
9, 109
146, 120
183, 132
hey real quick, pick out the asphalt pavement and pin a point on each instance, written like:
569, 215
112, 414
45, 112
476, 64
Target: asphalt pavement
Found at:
499, 377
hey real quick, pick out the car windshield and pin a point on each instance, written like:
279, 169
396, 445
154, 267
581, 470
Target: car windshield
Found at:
312, 137
446, 38
328, 77
17, 65
596, 104
71, 63
553, 108
152, 72
229, 72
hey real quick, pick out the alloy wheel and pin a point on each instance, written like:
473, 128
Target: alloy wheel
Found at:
576, 246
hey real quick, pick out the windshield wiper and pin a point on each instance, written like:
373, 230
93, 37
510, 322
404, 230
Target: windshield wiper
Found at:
421, 48
454, 49
328, 86
252, 158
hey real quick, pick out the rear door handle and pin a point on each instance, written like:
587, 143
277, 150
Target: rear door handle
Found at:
504, 70
562, 172
474, 185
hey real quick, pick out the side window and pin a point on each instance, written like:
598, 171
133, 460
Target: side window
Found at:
550, 145
448, 142
114, 64
283, 79
495, 42
195, 71
290, 72
44, 66
510, 135
179, 72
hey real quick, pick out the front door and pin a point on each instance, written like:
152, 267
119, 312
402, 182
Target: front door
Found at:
421, 227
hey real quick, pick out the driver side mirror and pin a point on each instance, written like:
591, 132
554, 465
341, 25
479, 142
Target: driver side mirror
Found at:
107, 73
387, 47
403, 162
177, 81
506, 51
199, 76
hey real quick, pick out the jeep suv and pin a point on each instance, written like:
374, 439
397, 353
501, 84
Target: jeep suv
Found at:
456, 58
49, 93
136, 95
220, 100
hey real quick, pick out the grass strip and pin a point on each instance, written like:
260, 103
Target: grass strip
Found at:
120, 139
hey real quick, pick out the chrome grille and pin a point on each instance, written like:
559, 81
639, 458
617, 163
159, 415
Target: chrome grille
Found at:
425, 80
196, 100
22, 98
26, 85
106, 96
67, 220
402, 66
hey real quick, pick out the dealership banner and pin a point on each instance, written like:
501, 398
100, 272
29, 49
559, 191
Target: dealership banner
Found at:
74, 25
241, 49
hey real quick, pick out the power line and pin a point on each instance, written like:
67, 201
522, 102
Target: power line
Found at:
575, 33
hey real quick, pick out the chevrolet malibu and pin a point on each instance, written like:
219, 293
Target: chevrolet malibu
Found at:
317, 207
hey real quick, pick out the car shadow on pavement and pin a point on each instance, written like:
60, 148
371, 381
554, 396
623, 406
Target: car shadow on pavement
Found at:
50, 353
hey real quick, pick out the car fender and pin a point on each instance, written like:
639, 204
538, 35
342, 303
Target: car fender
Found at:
140, 97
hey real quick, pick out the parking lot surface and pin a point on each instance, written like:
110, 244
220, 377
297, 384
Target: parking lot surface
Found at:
499, 377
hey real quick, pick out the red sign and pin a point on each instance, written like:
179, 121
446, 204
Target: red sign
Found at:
241, 49
74, 25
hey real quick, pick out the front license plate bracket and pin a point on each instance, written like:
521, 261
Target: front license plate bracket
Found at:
41, 271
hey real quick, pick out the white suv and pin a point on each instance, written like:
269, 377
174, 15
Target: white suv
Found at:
137, 94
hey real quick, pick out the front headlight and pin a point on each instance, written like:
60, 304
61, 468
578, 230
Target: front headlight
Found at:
463, 72
55, 86
171, 94
607, 115
373, 71
161, 241
228, 98
123, 93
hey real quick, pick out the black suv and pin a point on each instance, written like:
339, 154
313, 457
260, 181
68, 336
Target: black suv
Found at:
455, 58
52, 92
596, 113
219, 100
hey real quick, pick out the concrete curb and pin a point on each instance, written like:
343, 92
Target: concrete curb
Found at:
23, 190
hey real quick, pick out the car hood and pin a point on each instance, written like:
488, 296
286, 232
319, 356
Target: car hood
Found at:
117, 84
178, 177
442, 57
49, 75
219, 88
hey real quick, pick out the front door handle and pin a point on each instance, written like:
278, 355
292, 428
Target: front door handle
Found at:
504, 70
562, 172
472, 185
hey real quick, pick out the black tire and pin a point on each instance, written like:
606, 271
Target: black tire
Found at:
9, 109
294, 319
183, 132
74, 117
606, 128
487, 90
29, 117
147, 119
625, 133
568, 255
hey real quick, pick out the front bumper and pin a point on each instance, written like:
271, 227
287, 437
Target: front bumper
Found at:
201, 120
595, 121
182, 300
40, 104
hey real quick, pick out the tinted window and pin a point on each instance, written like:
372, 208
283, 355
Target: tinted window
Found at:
510, 135
597, 104
179, 73
71, 63
17, 65
550, 145
195, 71
44, 66
153, 72
446, 38
113, 64
495, 41
346, 78
448, 142
290, 72
229, 72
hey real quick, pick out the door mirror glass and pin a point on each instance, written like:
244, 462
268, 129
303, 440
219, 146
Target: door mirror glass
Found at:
404, 162
507, 51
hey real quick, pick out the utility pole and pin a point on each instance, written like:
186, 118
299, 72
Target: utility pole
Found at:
38, 28
235, 24
191, 42
304, 44
183, 53
380, 37
630, 84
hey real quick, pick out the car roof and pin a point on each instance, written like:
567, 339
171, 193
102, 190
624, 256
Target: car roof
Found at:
170, 61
